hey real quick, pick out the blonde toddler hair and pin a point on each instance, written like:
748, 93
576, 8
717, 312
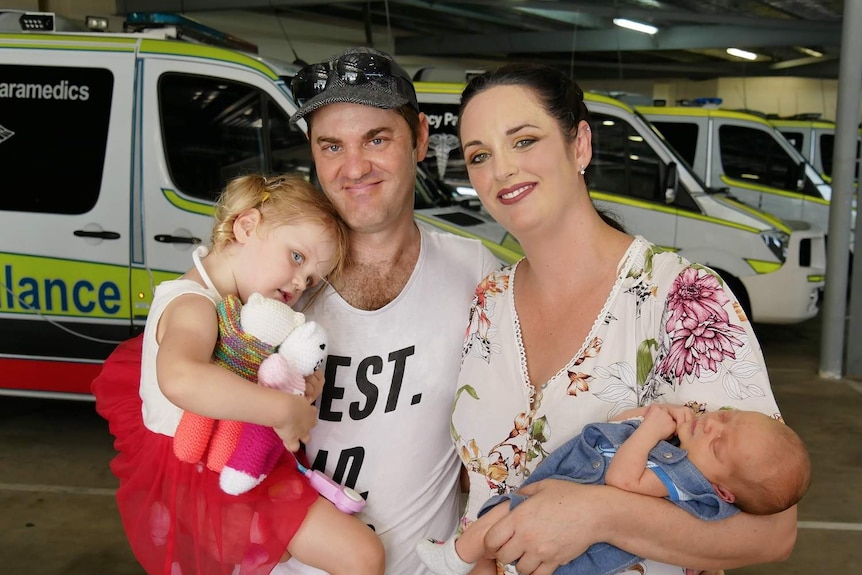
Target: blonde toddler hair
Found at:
281, 200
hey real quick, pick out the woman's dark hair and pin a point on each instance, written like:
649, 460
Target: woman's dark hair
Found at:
611, 219
560, 96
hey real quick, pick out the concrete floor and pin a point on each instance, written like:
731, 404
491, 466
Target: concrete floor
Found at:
58, 517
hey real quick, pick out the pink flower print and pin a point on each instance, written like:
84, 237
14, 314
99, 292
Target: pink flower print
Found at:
698, 326
695, 298
477, 336
490, 286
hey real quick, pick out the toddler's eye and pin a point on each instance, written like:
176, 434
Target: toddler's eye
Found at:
297, 257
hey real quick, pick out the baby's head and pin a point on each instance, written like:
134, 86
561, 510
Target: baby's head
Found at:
753, 460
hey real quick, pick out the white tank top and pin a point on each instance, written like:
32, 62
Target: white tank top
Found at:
159, 414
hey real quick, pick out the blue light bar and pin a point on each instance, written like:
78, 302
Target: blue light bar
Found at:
186, 27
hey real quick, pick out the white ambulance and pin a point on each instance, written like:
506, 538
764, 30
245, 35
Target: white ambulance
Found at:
113, 148
747, 155
637, 178
814, 138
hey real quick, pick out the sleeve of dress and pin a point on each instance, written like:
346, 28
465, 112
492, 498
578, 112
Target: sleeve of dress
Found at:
708, 356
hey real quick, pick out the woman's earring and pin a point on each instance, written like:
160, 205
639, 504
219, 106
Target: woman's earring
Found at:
583, 170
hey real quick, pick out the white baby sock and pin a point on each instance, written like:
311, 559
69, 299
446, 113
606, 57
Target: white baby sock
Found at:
442, 558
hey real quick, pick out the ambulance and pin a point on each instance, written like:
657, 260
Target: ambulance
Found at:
113, 148
814, 138
635, 177
745, 154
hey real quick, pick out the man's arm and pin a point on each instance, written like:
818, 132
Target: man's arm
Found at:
560, 519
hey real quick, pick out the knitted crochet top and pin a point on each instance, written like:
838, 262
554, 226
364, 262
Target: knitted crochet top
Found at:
235, 349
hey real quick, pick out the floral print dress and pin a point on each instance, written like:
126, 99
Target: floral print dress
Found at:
670, 332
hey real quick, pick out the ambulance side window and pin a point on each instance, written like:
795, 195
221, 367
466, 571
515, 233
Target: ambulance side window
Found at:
827, 149
682, 136
53, 120
795, 139
216, 129
288, 144
622, 162
754, 156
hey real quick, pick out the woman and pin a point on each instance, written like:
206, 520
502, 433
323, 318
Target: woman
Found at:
589, 323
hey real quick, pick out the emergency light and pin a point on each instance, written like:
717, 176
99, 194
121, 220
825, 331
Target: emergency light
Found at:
37, 21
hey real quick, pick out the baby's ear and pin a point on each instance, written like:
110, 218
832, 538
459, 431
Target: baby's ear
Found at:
724, 493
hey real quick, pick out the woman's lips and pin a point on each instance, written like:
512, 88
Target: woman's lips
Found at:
512, 193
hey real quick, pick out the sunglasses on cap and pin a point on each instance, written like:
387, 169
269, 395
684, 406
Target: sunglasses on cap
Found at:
352, 70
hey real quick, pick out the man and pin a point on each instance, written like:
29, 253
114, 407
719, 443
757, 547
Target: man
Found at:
396, 316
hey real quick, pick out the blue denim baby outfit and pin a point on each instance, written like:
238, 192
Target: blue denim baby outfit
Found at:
585, 459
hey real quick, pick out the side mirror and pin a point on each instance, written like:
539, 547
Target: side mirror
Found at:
800, 177
671, 183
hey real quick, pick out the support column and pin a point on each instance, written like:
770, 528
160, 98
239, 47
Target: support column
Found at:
844, 161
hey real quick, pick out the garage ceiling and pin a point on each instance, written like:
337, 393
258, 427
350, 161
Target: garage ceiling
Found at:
786, 35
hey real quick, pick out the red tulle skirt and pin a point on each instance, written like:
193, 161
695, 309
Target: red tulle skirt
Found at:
177, 519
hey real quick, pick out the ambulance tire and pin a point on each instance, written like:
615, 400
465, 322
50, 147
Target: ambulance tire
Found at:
739, 291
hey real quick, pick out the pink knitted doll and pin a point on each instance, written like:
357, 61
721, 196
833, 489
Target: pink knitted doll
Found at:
259, 448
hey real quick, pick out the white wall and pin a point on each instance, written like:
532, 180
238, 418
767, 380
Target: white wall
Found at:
785, 96
29, 5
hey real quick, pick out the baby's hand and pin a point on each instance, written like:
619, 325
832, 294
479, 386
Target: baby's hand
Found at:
660, 420
299, 417
679, 414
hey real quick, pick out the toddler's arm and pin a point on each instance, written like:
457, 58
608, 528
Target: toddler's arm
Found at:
627, 469
187, 333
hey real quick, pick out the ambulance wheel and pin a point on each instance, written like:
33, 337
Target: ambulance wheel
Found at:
739, 291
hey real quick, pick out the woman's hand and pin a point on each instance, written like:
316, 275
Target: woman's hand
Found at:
299, 416
560, 519
556, 524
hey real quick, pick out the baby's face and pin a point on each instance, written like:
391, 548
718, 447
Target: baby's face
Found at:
721, 442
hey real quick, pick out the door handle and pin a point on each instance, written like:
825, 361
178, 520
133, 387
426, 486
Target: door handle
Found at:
169, 239
102, 235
